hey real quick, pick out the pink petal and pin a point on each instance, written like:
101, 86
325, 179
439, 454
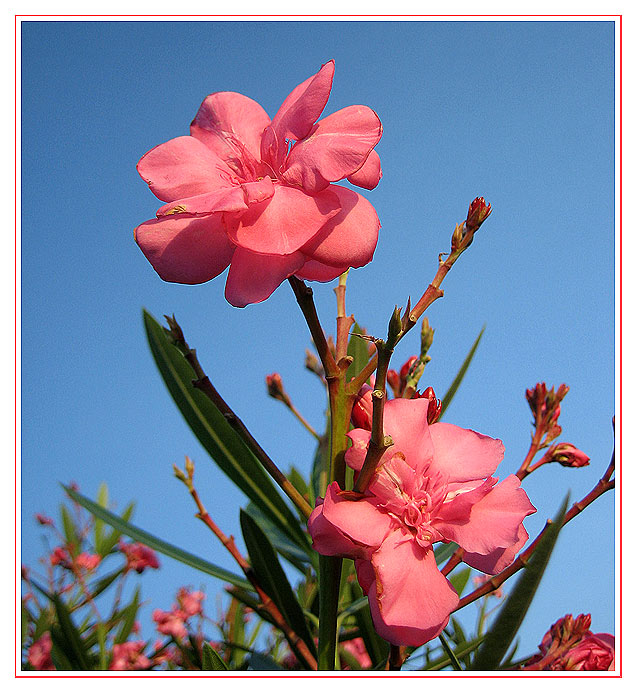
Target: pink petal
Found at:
369, 174
231, 199
258, 191
491, 523
355, 455
302, 108
318, 272
184, 249
284, 223
349, 238
462, 454
499, 559
365, 574
337, 147
327, 539
183, 167
360, 520
253, 277
226, 117
412, 600
405, 420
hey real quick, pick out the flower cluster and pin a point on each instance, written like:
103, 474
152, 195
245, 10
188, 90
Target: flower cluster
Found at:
257, 194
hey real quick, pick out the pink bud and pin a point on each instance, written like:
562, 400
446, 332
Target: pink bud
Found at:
43, 519
435, 405
568, 455
363, 408
478, 212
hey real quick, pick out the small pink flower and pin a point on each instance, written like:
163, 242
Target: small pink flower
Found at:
87, 561
433, 484
190, 602
39, 656
356, 647
60, 556
138, 556
171, 622
128, 656
256, 194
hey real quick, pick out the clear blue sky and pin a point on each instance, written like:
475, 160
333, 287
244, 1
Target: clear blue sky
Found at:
520, 112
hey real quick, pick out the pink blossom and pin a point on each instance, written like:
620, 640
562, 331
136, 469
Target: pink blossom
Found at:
568, 455
138, 556
39, 656
87, 561
256, 194
433, 484
190, 602
171, 622
356, 647
60, 556
128, 656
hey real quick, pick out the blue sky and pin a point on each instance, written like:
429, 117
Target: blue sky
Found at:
519, 112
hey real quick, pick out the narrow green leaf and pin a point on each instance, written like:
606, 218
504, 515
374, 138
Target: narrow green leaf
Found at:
101, 641
446, 400
512, 613
98, 527
155, 543
102, 584
459, 580
250, 599
74, 648
266, 565
130, 613
320, 468
109, 541
290, 551
358, 349
450, 653
221, 441
70, 532
460, 652
444, 552
261, 662
211, 661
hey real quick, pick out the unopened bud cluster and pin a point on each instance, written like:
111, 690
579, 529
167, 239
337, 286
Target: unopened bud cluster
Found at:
545, 407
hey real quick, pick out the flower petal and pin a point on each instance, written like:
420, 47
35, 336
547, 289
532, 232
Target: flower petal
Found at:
183, 167
462, 454
225, 117
405, 420
349, 238
355, 455
185, 249
305, 103
283, 223
318, 272
490, 523
499, 559
253, 277
231, 199
412, 600
369, 174
336, 147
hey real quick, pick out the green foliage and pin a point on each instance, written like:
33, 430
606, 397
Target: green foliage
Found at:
211, 661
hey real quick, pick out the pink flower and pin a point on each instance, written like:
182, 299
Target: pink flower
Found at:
87, 561
190, 602
60, 556
434, 484
256, 194
569, 645
171, 622
356, 647
569, 456
138, 556
128, 656
39, 656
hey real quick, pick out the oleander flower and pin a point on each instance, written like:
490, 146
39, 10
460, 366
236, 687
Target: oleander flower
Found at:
433, 484
257, 194
39, 656
138, 556
128, 656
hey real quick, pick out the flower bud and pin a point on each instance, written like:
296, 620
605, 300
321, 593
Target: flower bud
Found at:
478, 212
569, 456
274, 384
395, 328
313, 364
393, 380
363, 408
435, 405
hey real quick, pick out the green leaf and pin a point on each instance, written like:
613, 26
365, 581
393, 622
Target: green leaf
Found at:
98, 528
211, 661
358, 349
261, 662
155, 543
102, 584
108, 542
460, 652
446, 400
450, 653
290, 551
70, 532
222, 442
129, 614
272, 579
444, 552
74, 648
320, 468
459, 580
512, 613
